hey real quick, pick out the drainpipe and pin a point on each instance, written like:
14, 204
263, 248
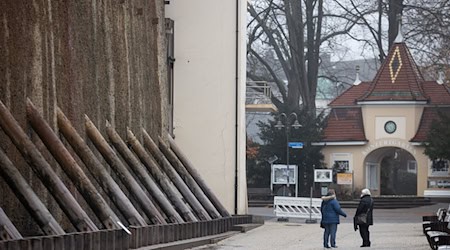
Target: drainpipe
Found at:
236, 171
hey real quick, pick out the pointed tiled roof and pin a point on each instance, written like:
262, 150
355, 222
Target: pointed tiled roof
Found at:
398, 79
438, 94
344, 124
349, 97
428, 116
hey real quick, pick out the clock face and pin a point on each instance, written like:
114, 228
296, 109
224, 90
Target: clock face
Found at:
390, 127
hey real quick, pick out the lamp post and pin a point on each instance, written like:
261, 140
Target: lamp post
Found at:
287, 125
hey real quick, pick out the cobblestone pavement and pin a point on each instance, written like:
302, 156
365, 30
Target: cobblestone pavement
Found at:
392, 229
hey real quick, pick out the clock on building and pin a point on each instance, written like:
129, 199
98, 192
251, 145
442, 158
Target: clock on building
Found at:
390, 127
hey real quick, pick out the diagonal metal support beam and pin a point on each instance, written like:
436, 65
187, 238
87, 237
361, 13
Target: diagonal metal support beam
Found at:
99, 172
143, 175
45, 172
86, 188
28, 198
122, 172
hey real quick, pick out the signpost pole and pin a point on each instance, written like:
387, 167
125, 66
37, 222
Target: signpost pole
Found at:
310, 220
296, 180
287, 162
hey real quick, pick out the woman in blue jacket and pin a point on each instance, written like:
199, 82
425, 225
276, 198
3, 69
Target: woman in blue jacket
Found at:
330, 210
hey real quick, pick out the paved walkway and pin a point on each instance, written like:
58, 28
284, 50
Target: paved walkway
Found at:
393, 229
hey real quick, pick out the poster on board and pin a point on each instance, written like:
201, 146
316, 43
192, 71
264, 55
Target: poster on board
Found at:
323, 175
280, 172
345, 178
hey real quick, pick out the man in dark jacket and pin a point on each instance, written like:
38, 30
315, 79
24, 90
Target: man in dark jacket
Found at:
330, 210
365, 206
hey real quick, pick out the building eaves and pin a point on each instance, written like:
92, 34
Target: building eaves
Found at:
344, 125
429, 115
351, 95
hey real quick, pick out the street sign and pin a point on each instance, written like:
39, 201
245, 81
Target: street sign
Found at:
296, 144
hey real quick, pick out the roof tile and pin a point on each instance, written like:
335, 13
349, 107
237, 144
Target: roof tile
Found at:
398, 79
429, 115
349, 97
344, 124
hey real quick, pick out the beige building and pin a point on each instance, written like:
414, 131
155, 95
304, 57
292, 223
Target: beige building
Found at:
209, 93
376, 130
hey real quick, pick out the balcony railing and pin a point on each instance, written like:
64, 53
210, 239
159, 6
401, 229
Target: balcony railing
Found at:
258, 97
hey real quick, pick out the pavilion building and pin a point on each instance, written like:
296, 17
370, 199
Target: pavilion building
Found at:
376, 130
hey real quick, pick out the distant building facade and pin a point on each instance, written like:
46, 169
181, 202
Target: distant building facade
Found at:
376, 130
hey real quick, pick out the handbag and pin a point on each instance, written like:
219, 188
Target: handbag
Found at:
361, 219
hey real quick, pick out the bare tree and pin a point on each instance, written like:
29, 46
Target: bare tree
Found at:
427, 30
290, 33
286, 38
425, 27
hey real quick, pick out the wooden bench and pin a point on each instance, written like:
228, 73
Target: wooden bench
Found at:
427, 220
443, 242
437, 229
440, 240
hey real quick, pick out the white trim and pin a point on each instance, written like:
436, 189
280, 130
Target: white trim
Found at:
391, 102
334, 106
412, 164
340, 143
436, 193
342, 157
375, 185
416, 143
323, 175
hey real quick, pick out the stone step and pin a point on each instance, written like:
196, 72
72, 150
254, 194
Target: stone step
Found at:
191, 243
201, 241
243, 228
384, 202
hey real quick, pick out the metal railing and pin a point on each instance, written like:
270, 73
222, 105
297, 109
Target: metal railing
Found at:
258, 92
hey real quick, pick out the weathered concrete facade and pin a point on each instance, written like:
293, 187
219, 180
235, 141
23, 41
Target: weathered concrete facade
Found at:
105, 59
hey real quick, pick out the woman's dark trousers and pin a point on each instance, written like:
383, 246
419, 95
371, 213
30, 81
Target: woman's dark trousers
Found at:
364, 231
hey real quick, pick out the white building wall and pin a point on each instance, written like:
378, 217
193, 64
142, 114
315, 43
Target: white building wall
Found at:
209, 88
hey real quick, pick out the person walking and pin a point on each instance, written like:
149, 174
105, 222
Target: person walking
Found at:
330, 210
365, 207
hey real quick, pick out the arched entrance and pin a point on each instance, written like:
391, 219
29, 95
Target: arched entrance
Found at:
392, 171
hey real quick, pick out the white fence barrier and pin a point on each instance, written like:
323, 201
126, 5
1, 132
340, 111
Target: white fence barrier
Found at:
297, 207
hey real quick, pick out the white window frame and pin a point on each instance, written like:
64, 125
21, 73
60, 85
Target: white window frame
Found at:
438, 173
372, 182
409, 167
342, 157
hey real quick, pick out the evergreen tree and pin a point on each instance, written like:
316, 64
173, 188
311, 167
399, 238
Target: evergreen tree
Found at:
438, 138
307, 159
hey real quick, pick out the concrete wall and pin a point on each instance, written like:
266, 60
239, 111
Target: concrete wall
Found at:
105, 59
209, 89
